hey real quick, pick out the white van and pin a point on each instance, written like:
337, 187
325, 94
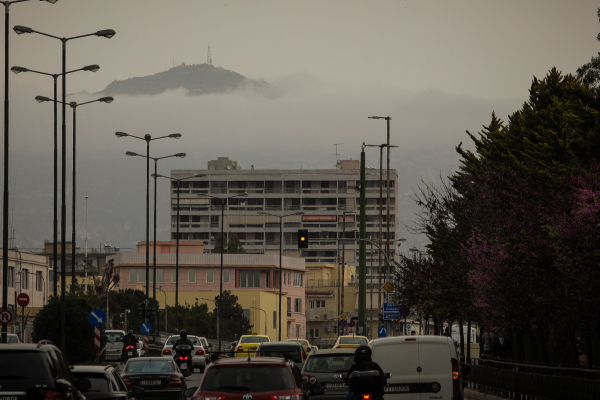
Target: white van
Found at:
422, 367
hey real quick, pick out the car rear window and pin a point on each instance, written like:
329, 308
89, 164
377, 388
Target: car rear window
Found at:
114, 337
287, 352
329, 363
99, 381
150, 366
24, 364
173, 339
248, 379
353, 340
254, 339
12, 339
302, 342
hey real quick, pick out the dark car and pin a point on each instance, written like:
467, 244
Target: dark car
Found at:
30, 371
292, 351
328, 368
256, 378
158, 376
106, 383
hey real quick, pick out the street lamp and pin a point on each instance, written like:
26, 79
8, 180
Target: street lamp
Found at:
147, 138
107, 33
257, 308
160, 288
132, 154
6, 198
223, 201
178, 181
18, 70
343, 281
281, 217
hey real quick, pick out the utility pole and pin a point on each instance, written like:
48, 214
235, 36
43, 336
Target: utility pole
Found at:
362, 264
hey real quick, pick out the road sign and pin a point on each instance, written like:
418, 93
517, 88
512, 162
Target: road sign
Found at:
404, 311
23, 299
388, 287
6, 316
343, 323
390, 311
97, 317
343, 316
351, 324
146, 328
381, 331
97, 337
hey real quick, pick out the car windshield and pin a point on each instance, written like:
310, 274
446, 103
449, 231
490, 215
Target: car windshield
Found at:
114, 337
353, 340
254, 339
99, 381
302, 342
173, 339
329, 363
150, 366
23, 364
248, 379
287, 352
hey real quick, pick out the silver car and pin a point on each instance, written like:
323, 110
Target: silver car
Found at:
328, 368
198, 354
114, 345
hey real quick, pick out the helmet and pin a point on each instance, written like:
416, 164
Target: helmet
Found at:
183, 333
130, 332
362, 353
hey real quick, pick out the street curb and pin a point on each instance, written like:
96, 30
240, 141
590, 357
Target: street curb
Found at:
475, 395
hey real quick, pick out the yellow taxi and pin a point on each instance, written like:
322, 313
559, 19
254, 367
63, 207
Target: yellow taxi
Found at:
304, 343
249, 343
350, 342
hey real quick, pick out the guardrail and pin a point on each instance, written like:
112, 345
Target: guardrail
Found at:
534, 381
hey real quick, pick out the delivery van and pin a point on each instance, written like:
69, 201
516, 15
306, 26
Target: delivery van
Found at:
421, 367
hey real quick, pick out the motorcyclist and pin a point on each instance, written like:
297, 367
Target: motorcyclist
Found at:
128, 340
363, 362
183, 340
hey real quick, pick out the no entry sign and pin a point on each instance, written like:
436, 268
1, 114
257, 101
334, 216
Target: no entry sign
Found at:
23, 299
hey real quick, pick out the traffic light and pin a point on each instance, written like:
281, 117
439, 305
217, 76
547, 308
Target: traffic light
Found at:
335, 329
142, 309
381, 317
303, 238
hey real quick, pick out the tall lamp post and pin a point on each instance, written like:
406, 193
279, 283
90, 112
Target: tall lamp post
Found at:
223, 201
107, 33
74, 105
281, 217
132, 154
160, 288
257, 308
148, 139
18, 70
178, 182
6, 196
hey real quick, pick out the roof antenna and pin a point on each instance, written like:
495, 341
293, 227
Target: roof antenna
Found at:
208, 57
337, 163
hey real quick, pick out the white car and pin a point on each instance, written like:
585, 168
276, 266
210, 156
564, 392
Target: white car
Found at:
12, 338
114, 344
198, 354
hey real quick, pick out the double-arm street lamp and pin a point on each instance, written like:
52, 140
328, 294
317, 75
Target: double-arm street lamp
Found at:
148, 139
107, 33
223, 203
6, 198
178, 182
18, 70
281, 217
132, 154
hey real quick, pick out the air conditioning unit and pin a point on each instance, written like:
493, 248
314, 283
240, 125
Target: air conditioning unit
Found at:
327, 329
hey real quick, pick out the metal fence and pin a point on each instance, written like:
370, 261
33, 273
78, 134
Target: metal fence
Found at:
530, 381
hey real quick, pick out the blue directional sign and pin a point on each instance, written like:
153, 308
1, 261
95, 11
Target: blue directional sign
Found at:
390, 311
381, 331
146, 328
97, 317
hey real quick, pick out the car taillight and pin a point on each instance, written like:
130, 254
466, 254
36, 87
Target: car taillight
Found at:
199, 352
295, 396
175, 381
240, 348
455, 375
129, 348
303, 356
366, 397
339, 346
167, 352
53, 394
309, 379
126, 381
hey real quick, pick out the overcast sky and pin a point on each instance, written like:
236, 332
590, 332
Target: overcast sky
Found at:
437, 68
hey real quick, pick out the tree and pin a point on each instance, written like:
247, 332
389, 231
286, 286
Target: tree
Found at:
129, 299
590, 72
110, 279
233, 245
233, 320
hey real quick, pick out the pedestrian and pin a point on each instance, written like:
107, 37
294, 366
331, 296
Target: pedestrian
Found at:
502, 349
488, 339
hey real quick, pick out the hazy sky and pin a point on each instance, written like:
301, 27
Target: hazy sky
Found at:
437, 68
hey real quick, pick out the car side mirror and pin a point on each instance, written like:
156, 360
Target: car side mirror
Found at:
136, 390
466, 370
388, 375
316, 390
190, 392
186, 372
83, 384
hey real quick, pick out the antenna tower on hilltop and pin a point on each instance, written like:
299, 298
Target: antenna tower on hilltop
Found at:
208, 58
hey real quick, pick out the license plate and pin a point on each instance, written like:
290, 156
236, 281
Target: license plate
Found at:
183, 366
150, 383
111, 357
396, 388
8, 398
335, 385
130, 353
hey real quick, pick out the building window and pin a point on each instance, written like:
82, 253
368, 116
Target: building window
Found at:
288, 278
317, 304
39, 285
250, 279
191, 275
174, 276
274, 319
25, 279
226, 276
313, 332
297, 330
268, 280
137, 275
210, 276
298, 305
297, 279
11, 276
160, 276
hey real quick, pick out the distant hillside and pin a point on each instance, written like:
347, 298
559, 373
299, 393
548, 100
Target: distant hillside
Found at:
198, 79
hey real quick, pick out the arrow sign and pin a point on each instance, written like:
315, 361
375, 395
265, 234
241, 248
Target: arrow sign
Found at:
381, 331
146, 328
97, 317
6, 316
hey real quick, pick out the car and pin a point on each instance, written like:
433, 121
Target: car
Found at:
292, 351
350, 342
257, 378
12, 338
328, 368
158, 376
305, 344
114, 345
248, 344
106, 383
232, 349
198, 354
313, 348
37, 371
206, 346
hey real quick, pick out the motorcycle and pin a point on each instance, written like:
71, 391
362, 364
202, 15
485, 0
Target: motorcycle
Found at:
366, 379
183, 357
129, 352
